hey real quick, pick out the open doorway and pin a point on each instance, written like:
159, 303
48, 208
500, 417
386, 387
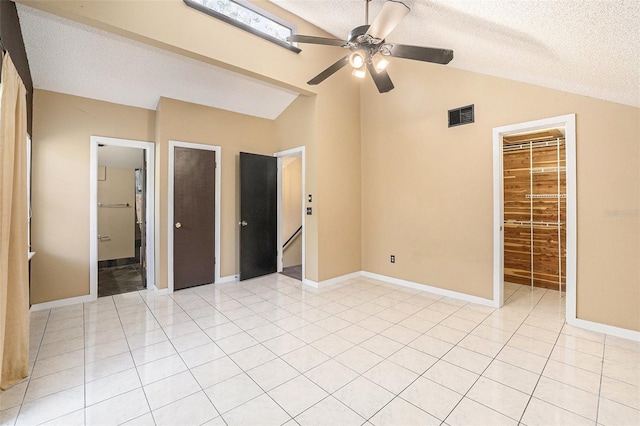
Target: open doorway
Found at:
121, 216
535, 208
291, 213
121, 233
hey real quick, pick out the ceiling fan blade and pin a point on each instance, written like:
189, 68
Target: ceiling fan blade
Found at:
329, 71
297, 38
389, 17
381, 79
425, 54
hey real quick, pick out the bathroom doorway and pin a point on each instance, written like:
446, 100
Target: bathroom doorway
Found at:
122, 235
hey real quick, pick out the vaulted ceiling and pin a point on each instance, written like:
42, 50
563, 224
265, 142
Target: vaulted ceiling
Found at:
586, 47
72, 58
589, 47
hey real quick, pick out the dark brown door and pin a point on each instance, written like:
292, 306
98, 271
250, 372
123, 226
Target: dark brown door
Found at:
194, 217
258, 215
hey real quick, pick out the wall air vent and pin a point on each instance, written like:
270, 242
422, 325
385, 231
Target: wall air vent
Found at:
460, 116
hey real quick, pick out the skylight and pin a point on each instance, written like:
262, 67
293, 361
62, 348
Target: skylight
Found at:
248, 17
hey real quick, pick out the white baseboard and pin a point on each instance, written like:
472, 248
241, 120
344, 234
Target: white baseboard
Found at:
310, 283
159, 291
588, 325
60, 303
227, 279
332, 281
338, 280
430, 289
604, 328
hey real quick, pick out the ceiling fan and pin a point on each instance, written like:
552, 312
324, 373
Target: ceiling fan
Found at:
369, 50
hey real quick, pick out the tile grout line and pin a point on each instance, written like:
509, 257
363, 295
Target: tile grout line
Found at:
354, 293
135, 367
28, 378
493, 359
604, 348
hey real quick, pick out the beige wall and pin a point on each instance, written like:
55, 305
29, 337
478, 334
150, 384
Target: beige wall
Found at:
427, 189
234, 133
332, 155
62, 127
292, 210
387, 175
339, 206
116, 225
298, 126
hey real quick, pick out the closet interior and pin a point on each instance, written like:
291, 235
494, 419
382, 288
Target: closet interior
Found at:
534, 194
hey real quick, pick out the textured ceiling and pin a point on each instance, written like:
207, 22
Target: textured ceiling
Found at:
589, 47
68, 57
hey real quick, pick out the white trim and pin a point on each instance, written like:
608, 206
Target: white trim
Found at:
29, 187
160, 292
294, 152
149, 150
61, 303
310, 283
340, 279
430, 289
568, 122
332, 281
606, 329
218, 174
227, 279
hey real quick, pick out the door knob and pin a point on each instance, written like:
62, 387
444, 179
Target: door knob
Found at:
178, 225
243, 223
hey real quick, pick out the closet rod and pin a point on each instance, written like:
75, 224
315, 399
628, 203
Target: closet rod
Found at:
114, 205
548, 169
531, 223
527, 196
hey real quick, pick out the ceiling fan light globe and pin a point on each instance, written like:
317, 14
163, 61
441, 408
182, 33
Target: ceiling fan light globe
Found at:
380, 63
359, 72
357, 60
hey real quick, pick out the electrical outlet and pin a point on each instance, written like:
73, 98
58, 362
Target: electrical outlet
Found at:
393, 259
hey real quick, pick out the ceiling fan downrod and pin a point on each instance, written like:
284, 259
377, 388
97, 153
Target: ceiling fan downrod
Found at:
366, 12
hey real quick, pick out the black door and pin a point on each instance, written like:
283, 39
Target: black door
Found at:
258, 215
194, 217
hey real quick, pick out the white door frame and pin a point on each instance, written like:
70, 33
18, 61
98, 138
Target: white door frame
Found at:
294, 152
149, 150
568, 122
170, 202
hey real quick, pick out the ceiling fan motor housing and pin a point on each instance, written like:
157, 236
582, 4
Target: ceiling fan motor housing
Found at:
357, 32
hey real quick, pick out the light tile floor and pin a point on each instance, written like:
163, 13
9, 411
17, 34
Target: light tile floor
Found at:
270, 351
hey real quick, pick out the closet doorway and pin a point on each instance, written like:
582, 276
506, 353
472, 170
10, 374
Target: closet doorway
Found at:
535, 207
121, 216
